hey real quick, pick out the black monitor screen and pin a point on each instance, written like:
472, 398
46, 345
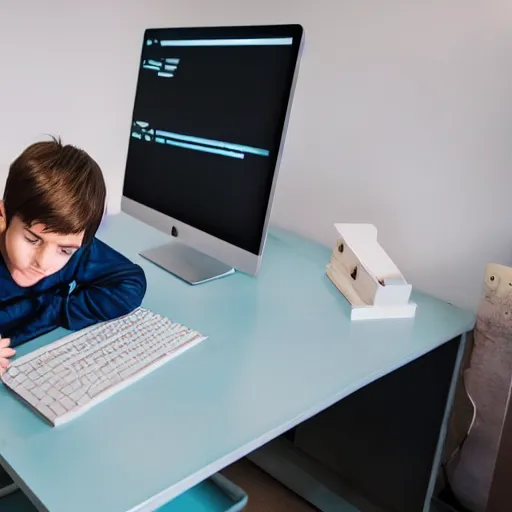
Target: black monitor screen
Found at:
207, 124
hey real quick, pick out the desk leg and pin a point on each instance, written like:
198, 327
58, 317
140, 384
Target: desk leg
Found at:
20, 499
380, 448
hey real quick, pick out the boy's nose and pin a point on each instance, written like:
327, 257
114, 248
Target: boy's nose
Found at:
42, 261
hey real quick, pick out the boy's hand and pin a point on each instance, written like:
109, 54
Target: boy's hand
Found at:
5, 353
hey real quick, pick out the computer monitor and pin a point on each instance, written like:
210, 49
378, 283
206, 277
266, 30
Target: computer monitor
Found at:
208, 128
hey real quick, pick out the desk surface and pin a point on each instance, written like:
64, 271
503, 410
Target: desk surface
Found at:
280, 349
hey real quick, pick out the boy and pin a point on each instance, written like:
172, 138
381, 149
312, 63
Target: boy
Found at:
53, 271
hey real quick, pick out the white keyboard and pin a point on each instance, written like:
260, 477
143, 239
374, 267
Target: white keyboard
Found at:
66, 378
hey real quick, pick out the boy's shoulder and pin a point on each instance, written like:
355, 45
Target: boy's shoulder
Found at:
97, 249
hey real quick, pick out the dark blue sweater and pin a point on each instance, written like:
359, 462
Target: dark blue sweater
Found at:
97, 284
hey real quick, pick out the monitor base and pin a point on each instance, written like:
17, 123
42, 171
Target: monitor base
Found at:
190, 265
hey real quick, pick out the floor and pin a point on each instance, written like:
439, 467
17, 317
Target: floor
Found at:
265, 493
268, 495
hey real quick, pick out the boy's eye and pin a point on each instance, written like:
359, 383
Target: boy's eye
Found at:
68, 252
32, 240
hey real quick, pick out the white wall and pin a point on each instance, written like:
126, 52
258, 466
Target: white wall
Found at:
402, 115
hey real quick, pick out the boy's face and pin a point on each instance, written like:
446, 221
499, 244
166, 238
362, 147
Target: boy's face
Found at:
31, 253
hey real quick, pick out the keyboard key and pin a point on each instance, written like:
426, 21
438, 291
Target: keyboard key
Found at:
84, 400
79, 393
97, 388
47, 400
14, 371
46, 411
39, 393
28, 384
58, 409
55, 393
20, 378
45, 386
67, 403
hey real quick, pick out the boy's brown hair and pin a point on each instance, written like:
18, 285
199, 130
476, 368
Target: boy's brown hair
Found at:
56, 185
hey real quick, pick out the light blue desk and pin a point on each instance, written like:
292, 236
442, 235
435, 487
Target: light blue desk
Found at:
280, 350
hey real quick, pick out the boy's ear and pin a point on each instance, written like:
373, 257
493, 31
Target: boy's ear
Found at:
3, 219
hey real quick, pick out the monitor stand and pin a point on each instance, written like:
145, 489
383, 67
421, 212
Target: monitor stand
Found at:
187, 263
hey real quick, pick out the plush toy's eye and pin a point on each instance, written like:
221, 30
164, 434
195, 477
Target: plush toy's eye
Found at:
493, 281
